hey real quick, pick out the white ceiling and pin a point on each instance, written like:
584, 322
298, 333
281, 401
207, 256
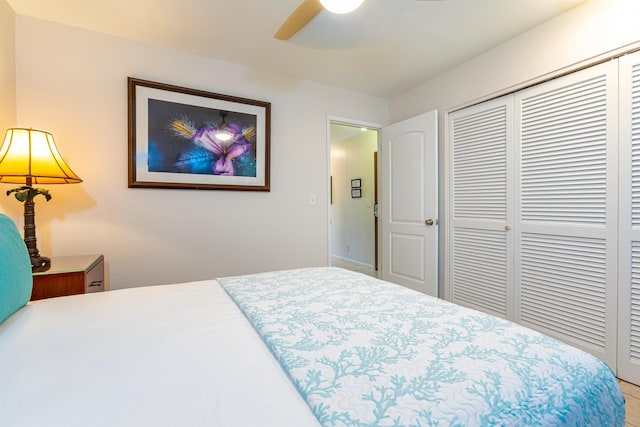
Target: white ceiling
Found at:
385, 47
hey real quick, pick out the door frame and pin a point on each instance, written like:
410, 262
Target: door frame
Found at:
355, 123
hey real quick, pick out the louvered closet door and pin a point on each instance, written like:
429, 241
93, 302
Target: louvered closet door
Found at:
566, 218
629, 270
481, 247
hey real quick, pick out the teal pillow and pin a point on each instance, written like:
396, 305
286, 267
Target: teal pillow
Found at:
16, 280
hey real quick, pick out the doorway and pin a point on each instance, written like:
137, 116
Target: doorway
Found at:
408, 200
353, 196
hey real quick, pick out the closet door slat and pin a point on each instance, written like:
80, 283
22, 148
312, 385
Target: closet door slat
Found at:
480, 165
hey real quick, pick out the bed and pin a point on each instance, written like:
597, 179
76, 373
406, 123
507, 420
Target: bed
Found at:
304, 347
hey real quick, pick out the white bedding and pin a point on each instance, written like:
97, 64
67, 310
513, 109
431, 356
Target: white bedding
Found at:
362, 351
174, 355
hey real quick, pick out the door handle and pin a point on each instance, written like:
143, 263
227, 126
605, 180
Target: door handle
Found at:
429, 222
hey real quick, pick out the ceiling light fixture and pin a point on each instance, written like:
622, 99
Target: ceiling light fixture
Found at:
341, 6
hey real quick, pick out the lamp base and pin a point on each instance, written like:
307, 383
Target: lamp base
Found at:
40, 263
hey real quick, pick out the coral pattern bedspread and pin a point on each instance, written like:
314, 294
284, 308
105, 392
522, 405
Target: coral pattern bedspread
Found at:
364, 352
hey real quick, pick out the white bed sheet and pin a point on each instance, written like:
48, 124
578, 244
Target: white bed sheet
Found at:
172, 355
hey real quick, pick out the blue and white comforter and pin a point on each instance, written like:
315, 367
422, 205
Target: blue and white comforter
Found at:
363, 352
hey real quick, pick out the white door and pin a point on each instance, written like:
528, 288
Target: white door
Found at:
629, 234
409, 203
566, 216
481, 183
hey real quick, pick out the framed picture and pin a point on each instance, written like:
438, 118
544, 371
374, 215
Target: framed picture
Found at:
356, 193
192, 139
356, 183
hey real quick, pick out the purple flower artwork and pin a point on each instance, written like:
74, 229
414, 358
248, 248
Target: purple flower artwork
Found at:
198, 140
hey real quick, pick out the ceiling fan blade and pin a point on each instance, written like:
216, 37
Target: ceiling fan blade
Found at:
300, 17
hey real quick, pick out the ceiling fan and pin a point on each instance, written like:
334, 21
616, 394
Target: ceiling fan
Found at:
309, 9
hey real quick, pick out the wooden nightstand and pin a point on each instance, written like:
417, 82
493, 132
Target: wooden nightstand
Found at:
69, 275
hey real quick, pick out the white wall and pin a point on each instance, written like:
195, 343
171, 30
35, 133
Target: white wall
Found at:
73, 83
7, 68
352, 228
593, 31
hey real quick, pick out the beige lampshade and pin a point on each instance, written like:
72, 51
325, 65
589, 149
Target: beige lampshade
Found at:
30, 157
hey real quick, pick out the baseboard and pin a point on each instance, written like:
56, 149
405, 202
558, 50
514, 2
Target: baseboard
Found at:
353, 261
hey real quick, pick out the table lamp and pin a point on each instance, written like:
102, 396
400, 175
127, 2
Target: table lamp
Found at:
30, 157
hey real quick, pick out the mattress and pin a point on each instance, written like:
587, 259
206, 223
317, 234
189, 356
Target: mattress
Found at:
307, 347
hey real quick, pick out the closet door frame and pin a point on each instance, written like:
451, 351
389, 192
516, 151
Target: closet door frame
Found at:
513, 225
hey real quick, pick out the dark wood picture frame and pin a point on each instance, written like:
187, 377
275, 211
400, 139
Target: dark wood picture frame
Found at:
181, 138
